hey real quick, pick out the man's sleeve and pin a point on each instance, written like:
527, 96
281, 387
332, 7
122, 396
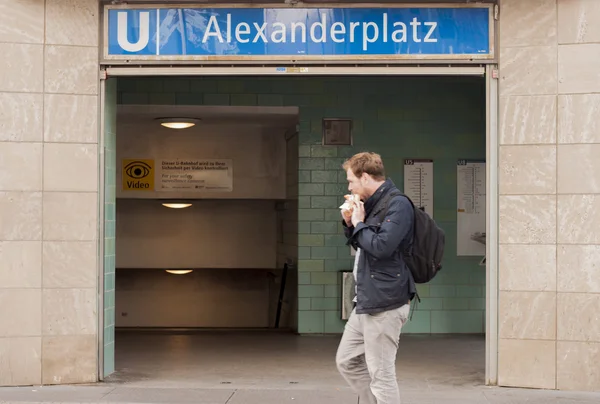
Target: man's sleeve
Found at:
395, 227
348, 232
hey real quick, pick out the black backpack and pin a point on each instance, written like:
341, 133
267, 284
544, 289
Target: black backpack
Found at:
424, 259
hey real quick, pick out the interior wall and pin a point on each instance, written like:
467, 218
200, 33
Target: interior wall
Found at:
257, 151
208, 234
208, 298
231, 240
399, 117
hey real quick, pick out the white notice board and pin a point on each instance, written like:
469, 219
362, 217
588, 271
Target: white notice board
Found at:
195, 175
470, 217
418, 183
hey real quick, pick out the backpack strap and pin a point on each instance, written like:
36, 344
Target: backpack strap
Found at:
386, 202
383, 212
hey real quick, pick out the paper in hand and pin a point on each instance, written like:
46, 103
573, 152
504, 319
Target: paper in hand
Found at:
348, 206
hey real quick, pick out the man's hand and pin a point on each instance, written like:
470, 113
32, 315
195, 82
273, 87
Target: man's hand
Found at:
347, 216
358, 215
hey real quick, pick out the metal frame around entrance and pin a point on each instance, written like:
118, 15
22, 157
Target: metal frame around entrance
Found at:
489, 72
101, 233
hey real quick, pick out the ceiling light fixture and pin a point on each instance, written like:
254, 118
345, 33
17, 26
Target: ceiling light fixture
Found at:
178, 123
177, 205
179, 271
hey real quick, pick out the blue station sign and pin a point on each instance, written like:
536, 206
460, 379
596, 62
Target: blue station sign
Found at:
290, 33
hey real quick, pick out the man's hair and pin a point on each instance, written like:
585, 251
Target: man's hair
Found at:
366, 162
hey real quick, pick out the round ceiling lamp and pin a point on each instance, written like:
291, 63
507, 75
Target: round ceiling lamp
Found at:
178, 123
176, 205
179, 271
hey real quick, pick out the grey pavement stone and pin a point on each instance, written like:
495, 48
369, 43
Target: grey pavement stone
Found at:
199, 396
54, 393
533, 396
291, 394
293, 397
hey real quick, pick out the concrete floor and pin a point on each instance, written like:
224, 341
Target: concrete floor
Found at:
253, 359
275, 368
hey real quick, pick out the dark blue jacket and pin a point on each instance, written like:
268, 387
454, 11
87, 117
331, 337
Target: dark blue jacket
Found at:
384, 282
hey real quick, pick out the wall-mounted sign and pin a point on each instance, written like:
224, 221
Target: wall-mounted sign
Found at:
471, 205
286, 34
196, 175
138, 175
177, 175
418, 183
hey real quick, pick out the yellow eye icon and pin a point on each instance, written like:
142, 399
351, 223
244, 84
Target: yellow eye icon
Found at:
137, 169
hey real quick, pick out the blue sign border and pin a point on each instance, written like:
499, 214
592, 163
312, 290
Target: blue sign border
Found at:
474, 22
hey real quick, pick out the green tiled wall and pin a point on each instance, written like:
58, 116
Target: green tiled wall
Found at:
398, 117
110, 181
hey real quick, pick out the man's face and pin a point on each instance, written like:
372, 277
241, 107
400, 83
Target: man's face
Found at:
355, 184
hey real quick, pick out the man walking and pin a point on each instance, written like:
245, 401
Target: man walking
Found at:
379, 228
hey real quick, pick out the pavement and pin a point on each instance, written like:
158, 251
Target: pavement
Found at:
295, 394
268, 368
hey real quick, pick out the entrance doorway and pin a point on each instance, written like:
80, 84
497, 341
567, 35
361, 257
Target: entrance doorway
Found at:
443, 118
208, 244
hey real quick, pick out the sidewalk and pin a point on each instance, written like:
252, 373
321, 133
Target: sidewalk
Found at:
266, 368
293, 394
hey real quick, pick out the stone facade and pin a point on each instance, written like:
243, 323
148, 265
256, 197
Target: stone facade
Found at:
549, 184
48, 191
549, 192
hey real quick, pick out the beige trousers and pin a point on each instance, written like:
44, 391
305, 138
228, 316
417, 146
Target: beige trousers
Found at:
366, 356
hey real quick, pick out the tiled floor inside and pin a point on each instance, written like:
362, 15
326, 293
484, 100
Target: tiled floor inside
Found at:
274, 368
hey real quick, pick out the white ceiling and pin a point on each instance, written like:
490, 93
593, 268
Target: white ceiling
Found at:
215, 115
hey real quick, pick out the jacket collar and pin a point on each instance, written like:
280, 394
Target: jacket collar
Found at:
379, 193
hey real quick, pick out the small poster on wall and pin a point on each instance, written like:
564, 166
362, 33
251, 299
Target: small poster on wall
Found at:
337, 132
471, 205
195, 175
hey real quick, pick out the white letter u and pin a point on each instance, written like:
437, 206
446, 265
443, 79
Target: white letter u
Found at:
144, 32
